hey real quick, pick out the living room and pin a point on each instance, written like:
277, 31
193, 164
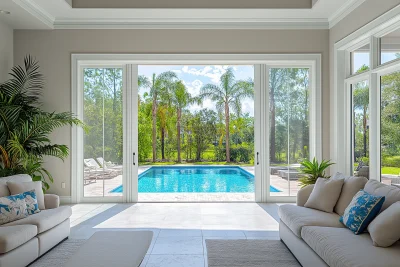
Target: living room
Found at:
199, 133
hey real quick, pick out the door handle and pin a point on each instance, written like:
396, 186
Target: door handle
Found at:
134, 163
258, 158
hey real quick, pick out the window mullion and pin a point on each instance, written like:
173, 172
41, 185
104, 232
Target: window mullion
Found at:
374, 128
374, 52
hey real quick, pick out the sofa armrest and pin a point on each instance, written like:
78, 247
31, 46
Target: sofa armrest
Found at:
51, 201
304, 194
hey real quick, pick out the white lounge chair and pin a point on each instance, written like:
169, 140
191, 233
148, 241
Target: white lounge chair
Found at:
93, 169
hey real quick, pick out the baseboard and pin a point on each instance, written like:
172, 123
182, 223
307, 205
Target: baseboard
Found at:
65, 200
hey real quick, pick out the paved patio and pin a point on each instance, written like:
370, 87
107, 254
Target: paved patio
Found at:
103, 187
180, 229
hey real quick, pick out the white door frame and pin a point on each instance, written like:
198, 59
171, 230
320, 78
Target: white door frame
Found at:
262, 63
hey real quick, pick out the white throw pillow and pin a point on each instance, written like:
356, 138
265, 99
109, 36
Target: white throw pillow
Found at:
351, 186
384, 229
325, 194
18, 188
12, 208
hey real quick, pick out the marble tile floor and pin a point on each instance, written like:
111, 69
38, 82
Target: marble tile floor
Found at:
180, 229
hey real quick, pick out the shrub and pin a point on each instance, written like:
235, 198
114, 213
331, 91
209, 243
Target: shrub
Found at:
393, 161
239, 153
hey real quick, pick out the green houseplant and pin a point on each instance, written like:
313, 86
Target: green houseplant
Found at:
312, 170
25, 127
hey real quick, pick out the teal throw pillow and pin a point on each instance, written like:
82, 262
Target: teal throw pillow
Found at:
32, 205
361, 211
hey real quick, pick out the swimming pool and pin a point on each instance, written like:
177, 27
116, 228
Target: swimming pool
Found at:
195, 179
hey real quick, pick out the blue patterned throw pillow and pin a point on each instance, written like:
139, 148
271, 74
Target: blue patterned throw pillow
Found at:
361, 211
12, 208
32, 205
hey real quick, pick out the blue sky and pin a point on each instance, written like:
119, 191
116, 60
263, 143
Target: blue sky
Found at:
194, 77
363, 58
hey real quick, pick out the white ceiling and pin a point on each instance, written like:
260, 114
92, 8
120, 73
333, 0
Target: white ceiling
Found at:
58, 14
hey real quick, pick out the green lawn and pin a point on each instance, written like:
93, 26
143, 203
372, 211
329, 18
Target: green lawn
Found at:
391, 170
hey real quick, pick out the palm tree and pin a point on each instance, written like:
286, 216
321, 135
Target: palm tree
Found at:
25, 128
180, 99
157, 85
227, 95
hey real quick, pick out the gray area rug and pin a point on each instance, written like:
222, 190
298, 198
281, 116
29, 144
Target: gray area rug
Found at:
249, 253
59, 255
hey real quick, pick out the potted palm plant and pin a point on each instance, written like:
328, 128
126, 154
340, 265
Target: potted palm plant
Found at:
312, 170
25, 127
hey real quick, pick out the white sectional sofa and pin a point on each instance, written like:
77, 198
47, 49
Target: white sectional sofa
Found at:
23, 241
317, 238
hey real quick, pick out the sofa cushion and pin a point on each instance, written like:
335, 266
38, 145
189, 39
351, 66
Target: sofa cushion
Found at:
339, 247
18, 178
18, 188
325, 194
350, 188
391, 193
296, 217
14, 178
4, 189
384, 229
14, 236
46, 219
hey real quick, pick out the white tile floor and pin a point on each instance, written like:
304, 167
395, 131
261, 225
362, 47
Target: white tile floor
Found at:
180, 229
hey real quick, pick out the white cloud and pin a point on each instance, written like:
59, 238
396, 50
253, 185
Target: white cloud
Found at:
193, 87
212, 72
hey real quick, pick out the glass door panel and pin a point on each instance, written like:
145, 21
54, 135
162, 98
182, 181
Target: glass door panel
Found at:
196, 133
390, 125
289, 128
103, 138
360, 128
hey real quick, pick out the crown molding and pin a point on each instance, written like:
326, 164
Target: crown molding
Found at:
342, 12
165, 23
35, 10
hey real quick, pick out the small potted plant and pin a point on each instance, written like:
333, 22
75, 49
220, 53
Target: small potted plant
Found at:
312, 170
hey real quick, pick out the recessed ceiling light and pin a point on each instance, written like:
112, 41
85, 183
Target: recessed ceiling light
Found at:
5, 12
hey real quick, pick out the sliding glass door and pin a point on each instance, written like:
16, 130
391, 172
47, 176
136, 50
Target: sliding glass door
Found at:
200, 132
103, 134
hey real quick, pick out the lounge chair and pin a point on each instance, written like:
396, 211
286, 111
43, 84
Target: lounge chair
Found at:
108, 165
93, 169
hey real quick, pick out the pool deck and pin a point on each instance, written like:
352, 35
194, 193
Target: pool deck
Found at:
96, 190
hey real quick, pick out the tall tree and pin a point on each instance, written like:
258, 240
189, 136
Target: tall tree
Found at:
278, 78
228, 95
204, 129
180, 99
361, 101
158, 84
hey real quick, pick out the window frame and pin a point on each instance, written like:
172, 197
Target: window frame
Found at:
341, 92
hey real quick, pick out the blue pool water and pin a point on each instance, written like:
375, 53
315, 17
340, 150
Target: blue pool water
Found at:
196, 179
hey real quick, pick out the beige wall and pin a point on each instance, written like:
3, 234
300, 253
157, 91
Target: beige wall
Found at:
366, 12
53, 49
6, 51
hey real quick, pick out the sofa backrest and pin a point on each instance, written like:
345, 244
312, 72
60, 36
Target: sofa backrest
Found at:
19, 178
391, 193
350, 188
